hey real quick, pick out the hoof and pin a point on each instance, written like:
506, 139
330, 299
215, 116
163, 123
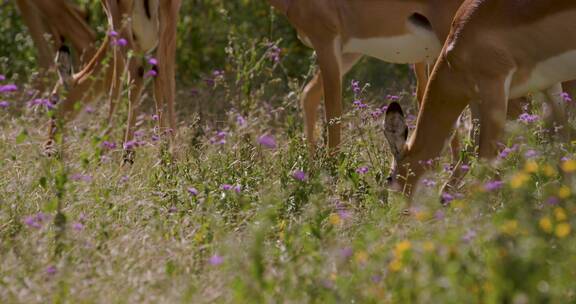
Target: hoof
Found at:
50, 148
128, 159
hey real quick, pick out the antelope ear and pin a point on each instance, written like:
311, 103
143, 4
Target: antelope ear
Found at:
64, 66
395, 129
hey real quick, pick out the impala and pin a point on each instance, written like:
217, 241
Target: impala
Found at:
63, 22
342, 31
496, 50
141, 26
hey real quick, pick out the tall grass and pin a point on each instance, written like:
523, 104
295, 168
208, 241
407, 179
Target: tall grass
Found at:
241, 213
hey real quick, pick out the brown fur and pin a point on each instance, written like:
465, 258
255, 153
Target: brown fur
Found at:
503, 35
96, 79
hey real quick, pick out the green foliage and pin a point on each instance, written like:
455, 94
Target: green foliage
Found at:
219, 217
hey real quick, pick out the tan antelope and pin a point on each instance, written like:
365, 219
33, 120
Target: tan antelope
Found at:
141, 26
496, 50
62, 22
342, 31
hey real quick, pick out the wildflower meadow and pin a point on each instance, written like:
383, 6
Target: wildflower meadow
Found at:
237, 208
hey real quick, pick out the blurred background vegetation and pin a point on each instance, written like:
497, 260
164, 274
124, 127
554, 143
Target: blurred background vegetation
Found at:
206, 28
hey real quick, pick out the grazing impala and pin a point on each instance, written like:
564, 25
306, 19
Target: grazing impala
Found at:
141, 26
342, 31
496, 50
63, 21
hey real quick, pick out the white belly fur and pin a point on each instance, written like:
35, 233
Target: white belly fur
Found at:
145, 29
418, 45
547, 73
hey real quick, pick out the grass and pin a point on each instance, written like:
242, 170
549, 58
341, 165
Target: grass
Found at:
226, 218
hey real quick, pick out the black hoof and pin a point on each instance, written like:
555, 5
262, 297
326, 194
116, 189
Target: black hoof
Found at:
50, 148
129, 156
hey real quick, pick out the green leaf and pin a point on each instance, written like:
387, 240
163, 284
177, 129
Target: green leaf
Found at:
21, 137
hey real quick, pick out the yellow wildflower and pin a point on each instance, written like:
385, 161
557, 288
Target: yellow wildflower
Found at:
549, 171
510, 227
199, 237
429, 246
395, 265
519, 180
563, 230
564, 192
401, 248
361, 257
531, 167
569, 166
335, 219
422, 215
333, 276
560, 214
546, 224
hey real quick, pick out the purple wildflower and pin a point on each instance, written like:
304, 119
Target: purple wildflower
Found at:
439, 215
355, 84
153, 61
41, 102
132, 144
240, 121
493, 186
218, 74
469, 236
465, 168
220, 138
155, 138
30, 221
216, 260
392, 97
274, 53
124, 179
376, 113
36, 221
528, 118
78, 226
362, 170
376, 278
89, 110
4, 104
193, 191
346, 252
553, 201
113, 34
238, 189
155, 117
531, 154
447, 197
428, 183
300, 175
359, 104
81, 178
108, 145
138, 133
8, 88
51, 270
566, 97
121, 42
151, 74
2, 77
267, 141
344, 214
226, 187
507, 151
